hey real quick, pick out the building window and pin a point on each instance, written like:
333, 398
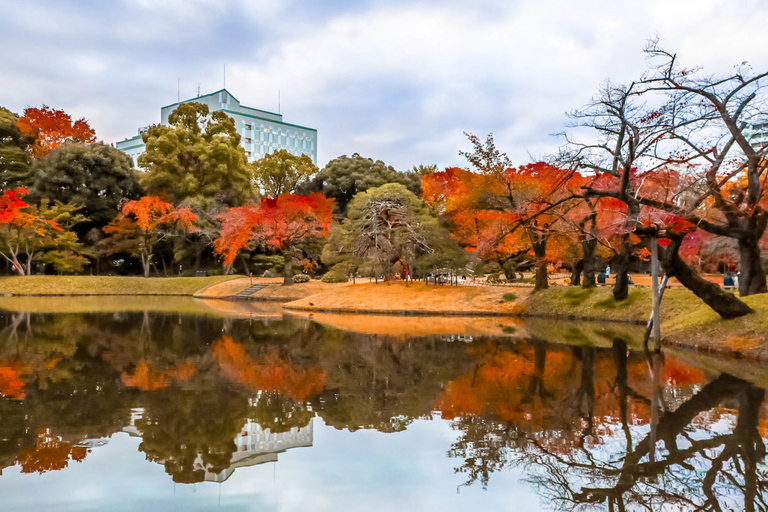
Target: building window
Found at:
247, 140
248, 153
247, 127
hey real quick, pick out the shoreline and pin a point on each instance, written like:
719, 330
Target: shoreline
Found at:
687, 323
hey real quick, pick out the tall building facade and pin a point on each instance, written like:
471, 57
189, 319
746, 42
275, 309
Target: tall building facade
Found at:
261, 132
757, 134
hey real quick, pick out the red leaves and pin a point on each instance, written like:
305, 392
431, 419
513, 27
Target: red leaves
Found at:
278, 223
52, 128
270, 372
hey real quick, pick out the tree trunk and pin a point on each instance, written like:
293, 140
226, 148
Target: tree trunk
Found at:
288, 271
752, 277
576, 273
725, 304
540, 250
621, 288
145, 263
589, 247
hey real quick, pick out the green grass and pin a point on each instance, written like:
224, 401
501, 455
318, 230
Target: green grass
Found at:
509, 297
106, 285
611, 303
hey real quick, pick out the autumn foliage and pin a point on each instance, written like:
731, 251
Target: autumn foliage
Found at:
13, 380
148, 378
21, 230
270, 372
278, 223
51, 128
142, 223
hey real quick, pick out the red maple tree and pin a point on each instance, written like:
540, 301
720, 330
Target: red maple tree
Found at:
285, 223
51, 128
142, 223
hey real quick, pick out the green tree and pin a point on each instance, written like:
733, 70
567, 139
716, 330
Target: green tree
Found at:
345, 177
280, 172
14, 157
385, 226
196, 160
95, 177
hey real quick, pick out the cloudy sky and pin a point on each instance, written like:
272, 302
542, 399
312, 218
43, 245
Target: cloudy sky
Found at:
397, 80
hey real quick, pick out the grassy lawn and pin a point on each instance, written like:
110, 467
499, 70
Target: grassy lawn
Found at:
106, 285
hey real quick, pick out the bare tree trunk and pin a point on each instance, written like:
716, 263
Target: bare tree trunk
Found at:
752, 278
621, 288
589, 247
539, 244
725, 304
576, 270
288, 271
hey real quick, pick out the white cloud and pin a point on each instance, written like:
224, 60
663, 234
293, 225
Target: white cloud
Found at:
398, 81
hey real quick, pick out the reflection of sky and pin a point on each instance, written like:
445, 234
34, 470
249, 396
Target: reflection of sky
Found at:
363, 470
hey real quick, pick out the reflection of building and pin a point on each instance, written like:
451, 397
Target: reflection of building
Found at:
254, 445
261, 132
257, 446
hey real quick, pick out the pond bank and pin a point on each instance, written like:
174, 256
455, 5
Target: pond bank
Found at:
106, 285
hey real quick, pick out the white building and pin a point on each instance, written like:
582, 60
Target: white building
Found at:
261, 132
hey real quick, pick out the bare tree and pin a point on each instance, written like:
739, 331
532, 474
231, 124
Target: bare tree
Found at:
703, 122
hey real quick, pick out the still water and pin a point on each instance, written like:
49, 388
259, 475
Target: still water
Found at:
184, 405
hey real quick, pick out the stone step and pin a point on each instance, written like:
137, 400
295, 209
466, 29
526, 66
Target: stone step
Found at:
250, 290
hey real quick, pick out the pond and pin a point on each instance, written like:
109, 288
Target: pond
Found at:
177, 404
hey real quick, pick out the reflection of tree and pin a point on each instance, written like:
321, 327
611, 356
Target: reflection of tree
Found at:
49, 453
636, 479
375, 382
587, 454
179, 425
271, 372
278, 413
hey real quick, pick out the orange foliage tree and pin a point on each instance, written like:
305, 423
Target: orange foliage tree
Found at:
51, 128
286, 223
143, 223
270, 372
505, 211
22, 233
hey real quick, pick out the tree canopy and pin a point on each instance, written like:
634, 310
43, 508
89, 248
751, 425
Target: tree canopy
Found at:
51, 128
344, 177
196, 160
280, 172
96, 177
14, 152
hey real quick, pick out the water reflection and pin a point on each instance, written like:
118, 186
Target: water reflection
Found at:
587, 426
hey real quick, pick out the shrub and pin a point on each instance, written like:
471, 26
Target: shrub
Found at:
509, 297
301, 278
337, 274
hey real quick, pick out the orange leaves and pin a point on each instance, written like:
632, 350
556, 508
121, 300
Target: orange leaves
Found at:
270, 372
49, 453
149, 213
146, 378
13, 381
681, 375
51, 128
278, 223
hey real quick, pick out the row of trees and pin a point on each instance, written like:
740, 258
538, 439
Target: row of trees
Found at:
665, 157
662, 158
